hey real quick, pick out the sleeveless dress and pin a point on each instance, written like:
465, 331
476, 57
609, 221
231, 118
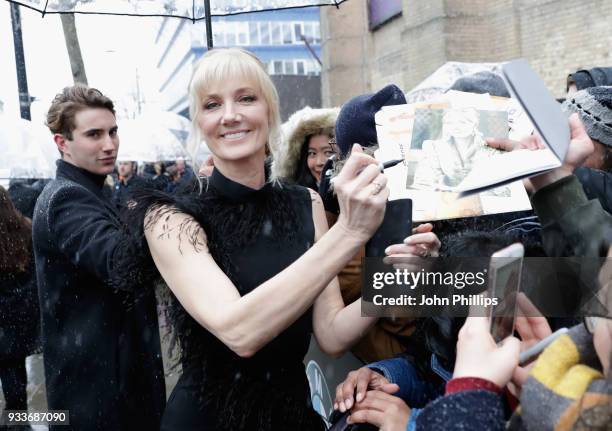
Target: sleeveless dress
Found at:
252, 235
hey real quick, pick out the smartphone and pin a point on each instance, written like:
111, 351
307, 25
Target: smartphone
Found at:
504, 283
395, 227
537, 348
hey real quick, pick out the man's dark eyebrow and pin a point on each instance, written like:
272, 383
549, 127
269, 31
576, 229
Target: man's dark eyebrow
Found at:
90, 131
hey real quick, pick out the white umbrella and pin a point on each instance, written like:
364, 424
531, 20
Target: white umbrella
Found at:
27, 149
177, 124
445, 76
145, 141
193, 10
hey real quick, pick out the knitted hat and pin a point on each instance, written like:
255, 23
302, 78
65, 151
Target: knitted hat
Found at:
355, 124
594, 105
595, 77
480, 83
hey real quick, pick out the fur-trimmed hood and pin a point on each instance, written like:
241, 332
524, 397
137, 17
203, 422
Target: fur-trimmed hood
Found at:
305, 122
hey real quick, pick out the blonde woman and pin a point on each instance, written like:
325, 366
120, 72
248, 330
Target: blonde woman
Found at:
252, 262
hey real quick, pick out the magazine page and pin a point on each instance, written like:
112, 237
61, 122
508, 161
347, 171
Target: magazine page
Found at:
441, 145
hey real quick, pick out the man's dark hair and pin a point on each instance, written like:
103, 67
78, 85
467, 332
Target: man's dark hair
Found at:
65, 105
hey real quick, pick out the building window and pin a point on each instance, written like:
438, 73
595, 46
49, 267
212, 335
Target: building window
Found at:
276, 33
300, 68
264, 32
287, 34
230, 34
254, 34
289, 68
381, 11
298, 30
242, 33
278, 67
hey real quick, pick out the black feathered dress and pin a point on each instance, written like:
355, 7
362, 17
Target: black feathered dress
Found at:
252, 235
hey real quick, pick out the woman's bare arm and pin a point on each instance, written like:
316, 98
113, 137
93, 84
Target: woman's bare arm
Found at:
246, 324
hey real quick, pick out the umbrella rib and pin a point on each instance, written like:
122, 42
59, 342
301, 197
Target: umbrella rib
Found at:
45, 10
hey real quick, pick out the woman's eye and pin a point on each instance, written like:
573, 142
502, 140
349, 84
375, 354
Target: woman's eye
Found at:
211, 105
311, 153
248, 99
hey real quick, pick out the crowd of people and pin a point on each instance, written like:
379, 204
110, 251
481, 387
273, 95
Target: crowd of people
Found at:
262, 248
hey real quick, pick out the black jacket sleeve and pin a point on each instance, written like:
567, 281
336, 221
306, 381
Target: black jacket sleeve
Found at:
84, 230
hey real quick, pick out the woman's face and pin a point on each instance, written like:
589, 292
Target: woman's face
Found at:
233, 119
319, 150
459, 123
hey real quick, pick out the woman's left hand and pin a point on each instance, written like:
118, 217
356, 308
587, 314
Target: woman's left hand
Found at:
387, 412
422, 243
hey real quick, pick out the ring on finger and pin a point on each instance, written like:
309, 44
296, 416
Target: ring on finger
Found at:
377, 187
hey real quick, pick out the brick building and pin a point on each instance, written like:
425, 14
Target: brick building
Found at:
367, 44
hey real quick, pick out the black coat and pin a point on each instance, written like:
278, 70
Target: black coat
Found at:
19, 314
101, 344
597, 185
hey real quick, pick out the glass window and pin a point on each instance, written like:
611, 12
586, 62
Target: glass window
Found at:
289, 68
278, 67
287, 36
276, 33
264, 32
298, 32
230, 34
308, 31
300, 69
242, 31
219, 33
316, 33
254, 34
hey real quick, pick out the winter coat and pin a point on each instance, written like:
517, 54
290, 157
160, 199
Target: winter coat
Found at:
100, 340
597, 185
563, 391
19, 314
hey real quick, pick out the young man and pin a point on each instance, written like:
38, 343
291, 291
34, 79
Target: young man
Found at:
101, 341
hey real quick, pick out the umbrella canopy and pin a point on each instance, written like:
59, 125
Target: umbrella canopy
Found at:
193, 10
189, 9
145, 141
177, 124
440, 81
27, 149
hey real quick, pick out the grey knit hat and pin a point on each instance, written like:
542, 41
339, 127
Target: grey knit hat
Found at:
594, 105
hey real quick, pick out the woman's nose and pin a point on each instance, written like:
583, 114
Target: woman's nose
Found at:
229, 113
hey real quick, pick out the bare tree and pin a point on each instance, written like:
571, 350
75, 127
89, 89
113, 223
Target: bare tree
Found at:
72, 41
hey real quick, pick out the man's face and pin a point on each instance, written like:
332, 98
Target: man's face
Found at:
94, 142
125, 169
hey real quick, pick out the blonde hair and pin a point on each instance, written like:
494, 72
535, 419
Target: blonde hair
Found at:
219, 65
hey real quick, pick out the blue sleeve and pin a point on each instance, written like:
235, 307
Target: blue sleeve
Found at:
401, 372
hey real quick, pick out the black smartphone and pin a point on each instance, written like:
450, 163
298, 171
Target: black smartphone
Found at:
395, 227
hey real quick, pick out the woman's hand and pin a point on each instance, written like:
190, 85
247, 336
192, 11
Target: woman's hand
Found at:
422, 243
362, 195
387, 412
479, 356
360, 381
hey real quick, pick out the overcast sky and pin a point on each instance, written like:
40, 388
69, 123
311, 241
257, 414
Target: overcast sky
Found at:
115, 49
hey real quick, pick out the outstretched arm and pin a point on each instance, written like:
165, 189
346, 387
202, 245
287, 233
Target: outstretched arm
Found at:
246, 324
